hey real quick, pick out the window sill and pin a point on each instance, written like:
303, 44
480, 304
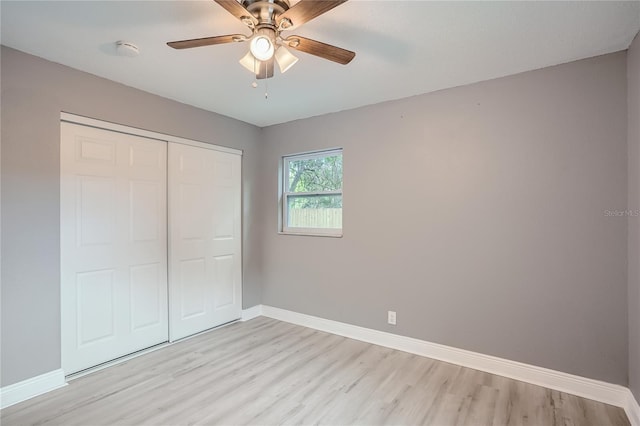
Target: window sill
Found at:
308, 234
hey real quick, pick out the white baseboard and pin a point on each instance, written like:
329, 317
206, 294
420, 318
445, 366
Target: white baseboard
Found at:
251, 313
581, 386
29, 388
632, 409
564, 382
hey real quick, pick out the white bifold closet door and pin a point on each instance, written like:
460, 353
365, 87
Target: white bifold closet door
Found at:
204, 239
113, 245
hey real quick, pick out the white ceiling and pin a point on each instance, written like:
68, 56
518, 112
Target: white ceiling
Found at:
404, 48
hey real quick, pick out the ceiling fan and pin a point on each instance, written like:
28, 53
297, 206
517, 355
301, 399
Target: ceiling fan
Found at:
267, 19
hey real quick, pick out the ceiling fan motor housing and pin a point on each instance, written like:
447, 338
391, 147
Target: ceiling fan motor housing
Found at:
266, 31
266, 11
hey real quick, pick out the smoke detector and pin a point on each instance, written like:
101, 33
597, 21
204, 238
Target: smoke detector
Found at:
126, 48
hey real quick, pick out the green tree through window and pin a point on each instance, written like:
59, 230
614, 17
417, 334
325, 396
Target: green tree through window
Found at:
312, 189
316, 175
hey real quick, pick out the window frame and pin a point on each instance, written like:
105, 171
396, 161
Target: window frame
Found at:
284, 194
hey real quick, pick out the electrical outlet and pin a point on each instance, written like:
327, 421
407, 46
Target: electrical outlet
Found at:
391, 317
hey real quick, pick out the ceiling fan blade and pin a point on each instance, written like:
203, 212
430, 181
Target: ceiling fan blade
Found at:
237, 10
306, 10
266, 69
323, 50
206, 41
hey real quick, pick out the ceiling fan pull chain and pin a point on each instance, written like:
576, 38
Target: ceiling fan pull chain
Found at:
266, 88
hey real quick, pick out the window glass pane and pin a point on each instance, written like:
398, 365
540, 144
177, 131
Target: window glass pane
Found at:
314, 211
315, 174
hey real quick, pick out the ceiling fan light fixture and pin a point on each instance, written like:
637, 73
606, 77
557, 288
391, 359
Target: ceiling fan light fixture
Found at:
250, 62
261, 47
285, 59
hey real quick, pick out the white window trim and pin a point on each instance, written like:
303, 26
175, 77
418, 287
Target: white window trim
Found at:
284, 183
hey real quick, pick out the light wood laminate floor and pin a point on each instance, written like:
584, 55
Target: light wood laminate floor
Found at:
267, 372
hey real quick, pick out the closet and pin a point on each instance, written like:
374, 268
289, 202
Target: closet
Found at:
150, 230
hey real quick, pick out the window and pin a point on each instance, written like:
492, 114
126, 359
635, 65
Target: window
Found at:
312, 193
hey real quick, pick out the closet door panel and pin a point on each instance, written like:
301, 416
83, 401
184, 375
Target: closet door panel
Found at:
192, 290
148, 301
204, 284
113, 245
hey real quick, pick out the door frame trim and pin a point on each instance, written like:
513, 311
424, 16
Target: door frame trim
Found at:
101, 124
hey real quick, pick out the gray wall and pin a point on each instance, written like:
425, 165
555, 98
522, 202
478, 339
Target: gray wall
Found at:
633, 83
478, 214
34, 91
